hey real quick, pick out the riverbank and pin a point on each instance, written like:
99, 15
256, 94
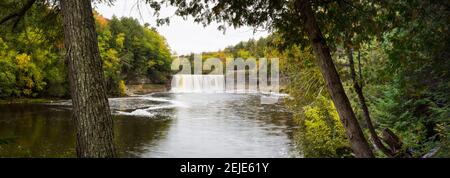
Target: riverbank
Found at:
143, 89
29, 100
132, 90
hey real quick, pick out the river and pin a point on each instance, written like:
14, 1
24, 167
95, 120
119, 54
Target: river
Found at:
198, 118
168, 125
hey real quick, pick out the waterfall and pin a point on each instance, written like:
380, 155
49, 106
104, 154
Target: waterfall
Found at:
198, 83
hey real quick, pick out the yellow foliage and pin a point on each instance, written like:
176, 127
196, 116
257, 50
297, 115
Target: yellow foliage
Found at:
30, 83
22, 60
151, 63
122, 88
120, 40
323, 134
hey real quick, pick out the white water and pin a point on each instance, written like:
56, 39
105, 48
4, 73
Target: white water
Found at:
198, 84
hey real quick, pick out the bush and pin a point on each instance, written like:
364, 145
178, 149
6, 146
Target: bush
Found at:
322, 134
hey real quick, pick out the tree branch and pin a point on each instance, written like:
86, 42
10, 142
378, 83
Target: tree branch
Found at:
361, 78
19, 14
362, 103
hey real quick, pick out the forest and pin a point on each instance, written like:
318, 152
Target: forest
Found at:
31, 55
364, 78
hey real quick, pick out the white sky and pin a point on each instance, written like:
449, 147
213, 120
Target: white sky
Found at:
183, 37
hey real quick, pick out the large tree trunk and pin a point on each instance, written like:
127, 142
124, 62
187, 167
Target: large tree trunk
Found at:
362, 103
325, 62
91, 111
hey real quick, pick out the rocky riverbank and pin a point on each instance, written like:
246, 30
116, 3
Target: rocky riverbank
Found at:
142, 89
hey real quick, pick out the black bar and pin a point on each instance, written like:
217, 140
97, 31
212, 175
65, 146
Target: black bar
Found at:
228, 167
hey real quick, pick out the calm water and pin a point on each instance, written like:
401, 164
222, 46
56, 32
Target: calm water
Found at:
158, 125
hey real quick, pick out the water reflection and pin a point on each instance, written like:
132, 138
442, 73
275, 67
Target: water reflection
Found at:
158, 125
36, 131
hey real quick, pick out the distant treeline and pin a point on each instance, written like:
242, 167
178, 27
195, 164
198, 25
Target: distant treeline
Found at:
32, 56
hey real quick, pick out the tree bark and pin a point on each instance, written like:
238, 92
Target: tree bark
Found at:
354, 133
362, 103
91, 113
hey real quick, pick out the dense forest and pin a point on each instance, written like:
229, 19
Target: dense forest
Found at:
32, 56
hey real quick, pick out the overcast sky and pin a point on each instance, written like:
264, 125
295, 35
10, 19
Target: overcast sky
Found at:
183, 36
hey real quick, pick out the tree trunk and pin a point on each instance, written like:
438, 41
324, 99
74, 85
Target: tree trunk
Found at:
353, 131
91, 111
362, 102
